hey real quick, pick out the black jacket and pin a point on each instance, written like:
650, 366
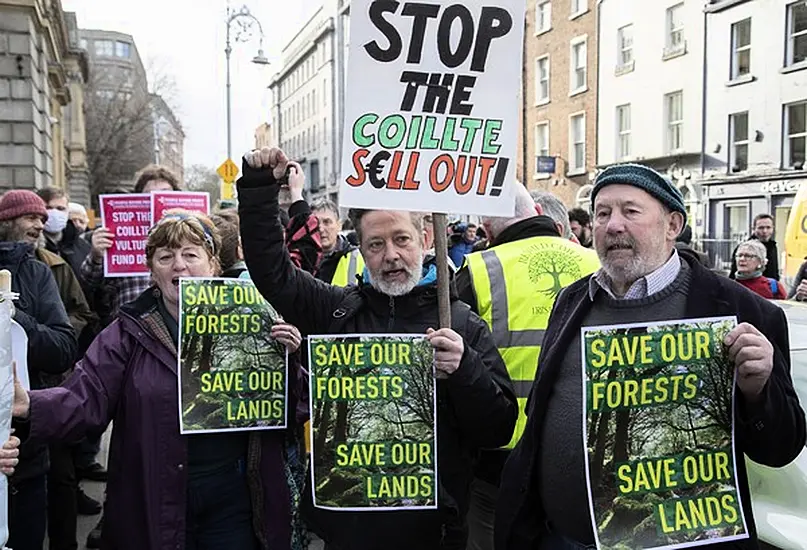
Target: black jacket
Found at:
490, 463
73, 249
51, 339
476, 404
771, 269
770, 433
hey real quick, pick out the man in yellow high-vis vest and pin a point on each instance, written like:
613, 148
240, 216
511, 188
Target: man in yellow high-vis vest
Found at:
513, 286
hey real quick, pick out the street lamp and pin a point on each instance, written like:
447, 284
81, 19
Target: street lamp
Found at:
243, 33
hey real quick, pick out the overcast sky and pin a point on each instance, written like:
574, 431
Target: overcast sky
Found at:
186, 38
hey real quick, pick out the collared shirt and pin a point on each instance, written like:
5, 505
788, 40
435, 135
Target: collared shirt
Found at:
642, 288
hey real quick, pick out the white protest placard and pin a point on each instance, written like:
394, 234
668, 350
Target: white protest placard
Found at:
431, 115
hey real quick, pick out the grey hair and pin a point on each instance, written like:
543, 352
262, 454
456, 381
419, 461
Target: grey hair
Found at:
356, 214
326, 205
555, 209
524, 208
758, 248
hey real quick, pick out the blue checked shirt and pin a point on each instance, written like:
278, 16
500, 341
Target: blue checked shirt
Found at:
642, 288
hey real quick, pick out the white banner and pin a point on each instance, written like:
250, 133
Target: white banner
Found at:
431, 113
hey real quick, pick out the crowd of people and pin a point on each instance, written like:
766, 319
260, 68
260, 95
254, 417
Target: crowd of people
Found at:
510, 464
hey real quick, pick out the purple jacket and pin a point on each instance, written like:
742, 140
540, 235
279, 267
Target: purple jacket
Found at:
128, 376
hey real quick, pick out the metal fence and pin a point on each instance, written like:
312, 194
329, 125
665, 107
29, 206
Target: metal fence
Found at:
719, 251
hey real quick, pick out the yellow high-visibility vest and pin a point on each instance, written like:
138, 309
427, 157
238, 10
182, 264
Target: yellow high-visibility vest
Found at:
350, 265
515, 285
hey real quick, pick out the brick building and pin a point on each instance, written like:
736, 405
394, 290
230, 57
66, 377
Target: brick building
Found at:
559, 98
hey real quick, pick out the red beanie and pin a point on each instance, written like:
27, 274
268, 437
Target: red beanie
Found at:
21, 202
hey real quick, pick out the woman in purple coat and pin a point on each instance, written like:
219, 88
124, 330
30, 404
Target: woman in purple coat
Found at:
166, 491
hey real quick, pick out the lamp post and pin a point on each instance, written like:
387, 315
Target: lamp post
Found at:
243, 33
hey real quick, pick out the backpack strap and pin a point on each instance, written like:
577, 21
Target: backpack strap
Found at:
774, 286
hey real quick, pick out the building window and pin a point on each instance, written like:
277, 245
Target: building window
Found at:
625, 42
795, 135
122, 49
83, 43
675, 29
738, 152
577, 80
542, 80
796, 32
105, 47
577, 143
623, 127
579, 7
741, 48
543, 16
541, 143
674, 109
736, 221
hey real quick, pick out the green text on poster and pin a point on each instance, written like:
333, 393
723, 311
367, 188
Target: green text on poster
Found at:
659, 434
232, 373
373, 412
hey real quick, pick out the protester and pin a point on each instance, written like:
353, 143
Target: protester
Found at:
580, 223
396, 294
106, 296
543, 501
799, 290
51, 350
62, 237
464, 243
78, 215
763, 232
205, 491
513, 286
231, 255
751, 261
341, 261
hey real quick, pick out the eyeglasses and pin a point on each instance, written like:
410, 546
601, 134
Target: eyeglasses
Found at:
743, 256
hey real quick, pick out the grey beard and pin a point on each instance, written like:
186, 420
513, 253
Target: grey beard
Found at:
398, 289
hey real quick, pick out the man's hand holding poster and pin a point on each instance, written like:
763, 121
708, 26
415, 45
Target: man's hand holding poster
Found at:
232, 374
659, 434
374, 434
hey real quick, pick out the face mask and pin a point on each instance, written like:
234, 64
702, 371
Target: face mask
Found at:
57, 221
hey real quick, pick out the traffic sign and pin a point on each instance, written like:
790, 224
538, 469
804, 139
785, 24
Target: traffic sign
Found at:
228, 171
227, 190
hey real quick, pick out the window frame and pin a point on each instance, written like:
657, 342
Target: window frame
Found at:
541, 126
620, 37
736, 50
546, 18
539, 81
622, 133
734, 143
578, 41
673, 126
787, 137
790, 36
573, 169
581, 8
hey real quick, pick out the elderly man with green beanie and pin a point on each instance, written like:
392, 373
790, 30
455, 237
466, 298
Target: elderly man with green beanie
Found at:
637, 215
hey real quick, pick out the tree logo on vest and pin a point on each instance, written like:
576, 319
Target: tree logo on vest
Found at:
550, 267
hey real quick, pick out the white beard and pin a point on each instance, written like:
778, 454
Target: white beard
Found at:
398, 289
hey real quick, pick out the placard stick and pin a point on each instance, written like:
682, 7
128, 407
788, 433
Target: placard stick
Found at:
443, 280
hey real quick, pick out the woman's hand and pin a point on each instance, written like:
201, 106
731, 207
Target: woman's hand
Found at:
288, 335
22, 403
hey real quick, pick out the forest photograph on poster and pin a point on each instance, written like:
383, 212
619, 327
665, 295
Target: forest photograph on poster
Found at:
373, 441
232, 373
659, 434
